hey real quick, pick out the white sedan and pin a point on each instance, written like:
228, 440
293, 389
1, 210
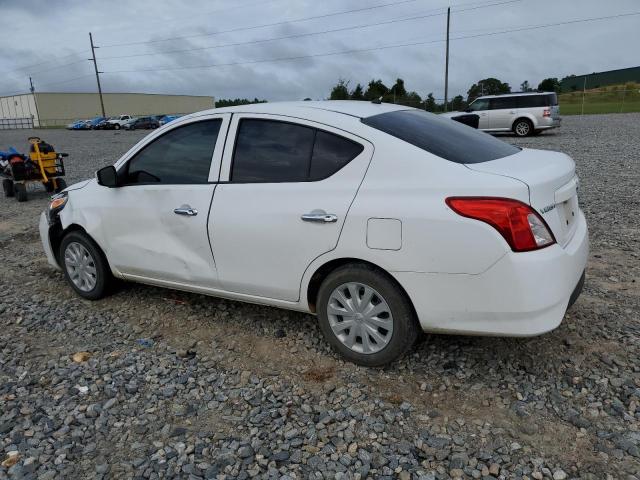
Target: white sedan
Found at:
380, 219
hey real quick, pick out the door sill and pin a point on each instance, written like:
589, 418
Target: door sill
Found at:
214, 292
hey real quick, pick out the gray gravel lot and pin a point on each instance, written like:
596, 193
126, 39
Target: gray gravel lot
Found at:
220, 389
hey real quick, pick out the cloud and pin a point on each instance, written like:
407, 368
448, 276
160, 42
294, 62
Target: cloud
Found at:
514, 57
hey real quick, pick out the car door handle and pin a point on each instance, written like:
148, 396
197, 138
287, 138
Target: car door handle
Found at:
185, 210
319, 216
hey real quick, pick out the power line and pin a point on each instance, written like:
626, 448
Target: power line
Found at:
69, 80
273, 39
264, 25
306, 34
29, 67
199, 15
65, 81
381, 47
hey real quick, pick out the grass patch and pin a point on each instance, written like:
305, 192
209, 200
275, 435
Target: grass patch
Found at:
612, 99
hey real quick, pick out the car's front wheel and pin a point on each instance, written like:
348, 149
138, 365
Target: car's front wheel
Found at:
84, 266
117, 127
365, 315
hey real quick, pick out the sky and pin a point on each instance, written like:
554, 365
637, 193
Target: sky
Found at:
236, 49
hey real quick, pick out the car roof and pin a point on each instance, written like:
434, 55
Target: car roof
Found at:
353, 108
517, 94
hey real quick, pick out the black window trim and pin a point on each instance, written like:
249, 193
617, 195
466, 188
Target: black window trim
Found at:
124, 168
291, 122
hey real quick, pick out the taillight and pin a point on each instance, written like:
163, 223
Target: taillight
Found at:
546, 113
517, 222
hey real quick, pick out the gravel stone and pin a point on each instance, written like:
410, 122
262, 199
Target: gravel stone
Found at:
221, 389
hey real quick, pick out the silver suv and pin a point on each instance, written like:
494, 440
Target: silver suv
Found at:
522, 113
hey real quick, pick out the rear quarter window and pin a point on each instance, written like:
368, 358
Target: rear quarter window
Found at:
441, 136
533, 101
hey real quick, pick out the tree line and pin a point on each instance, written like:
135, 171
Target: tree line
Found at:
397, 93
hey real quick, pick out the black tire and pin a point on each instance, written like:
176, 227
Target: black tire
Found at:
20, 190
103, 276
60, 185
405, 325
48, 186
523, 127
7, 186
116, 127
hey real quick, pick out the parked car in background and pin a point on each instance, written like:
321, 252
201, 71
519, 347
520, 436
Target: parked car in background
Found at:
75, 125
93, 123
382, 220
168, 118
104, 124
116, 123
521, 113
141, 123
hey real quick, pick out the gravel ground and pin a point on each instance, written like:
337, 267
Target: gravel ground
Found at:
179, 385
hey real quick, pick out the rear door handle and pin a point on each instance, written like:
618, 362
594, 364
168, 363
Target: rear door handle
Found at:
185, 210
319, 216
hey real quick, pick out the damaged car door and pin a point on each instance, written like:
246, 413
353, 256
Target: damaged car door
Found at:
156, 217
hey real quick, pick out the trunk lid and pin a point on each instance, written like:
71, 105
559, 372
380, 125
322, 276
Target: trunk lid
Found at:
552, 182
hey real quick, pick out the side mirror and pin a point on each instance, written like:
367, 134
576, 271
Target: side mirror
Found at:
107, 176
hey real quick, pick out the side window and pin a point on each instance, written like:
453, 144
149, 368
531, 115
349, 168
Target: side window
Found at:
482, 104
180, 156
503, 103
274, 151
531, 101
271, 151
330, 154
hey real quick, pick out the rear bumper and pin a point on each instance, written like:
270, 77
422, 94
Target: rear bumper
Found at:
522, 294
548, 123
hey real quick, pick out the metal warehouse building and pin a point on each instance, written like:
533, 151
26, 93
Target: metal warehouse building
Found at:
600, 79
56, 109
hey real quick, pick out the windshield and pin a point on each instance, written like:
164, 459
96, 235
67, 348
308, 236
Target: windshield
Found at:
441, 136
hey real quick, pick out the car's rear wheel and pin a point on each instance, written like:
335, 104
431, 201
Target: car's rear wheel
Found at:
7, 187
117, 127
84, 265
365, 315
523, 127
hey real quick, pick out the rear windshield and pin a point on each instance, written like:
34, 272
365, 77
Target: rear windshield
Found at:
441, 136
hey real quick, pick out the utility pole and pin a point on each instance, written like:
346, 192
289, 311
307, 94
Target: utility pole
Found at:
584, 91
446, 64
95, 66
32, 89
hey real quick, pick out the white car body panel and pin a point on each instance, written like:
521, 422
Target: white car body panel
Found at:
248, 241
274, 210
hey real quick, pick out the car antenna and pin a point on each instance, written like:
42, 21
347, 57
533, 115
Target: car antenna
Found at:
377, 101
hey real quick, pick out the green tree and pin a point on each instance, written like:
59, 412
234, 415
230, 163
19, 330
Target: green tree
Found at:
488, 86
357, 93
397, 92
412, 99
551, 84
458, 104
230, 102
340, 91
525, 87
375, 90
430, 103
